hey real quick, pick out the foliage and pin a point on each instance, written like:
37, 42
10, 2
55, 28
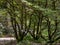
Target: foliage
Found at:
39, 18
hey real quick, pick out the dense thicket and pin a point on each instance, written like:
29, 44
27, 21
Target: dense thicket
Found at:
40, 18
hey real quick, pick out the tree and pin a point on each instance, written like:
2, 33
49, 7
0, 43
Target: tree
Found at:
34, 17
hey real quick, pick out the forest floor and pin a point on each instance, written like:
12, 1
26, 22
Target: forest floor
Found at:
12, 41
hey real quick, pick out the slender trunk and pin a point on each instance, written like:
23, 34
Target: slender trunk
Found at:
46, 3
